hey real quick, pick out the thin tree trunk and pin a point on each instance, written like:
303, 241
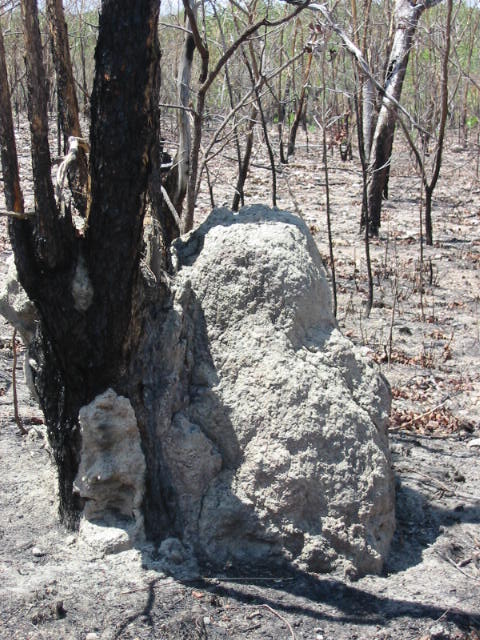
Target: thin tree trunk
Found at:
407, 15
368, 114
8, 148
242, 174
299, 112
48, 242
429, 189
182, 160
67, 99
84, 73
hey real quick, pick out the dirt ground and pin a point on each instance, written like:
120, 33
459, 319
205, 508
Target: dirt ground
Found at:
424, 333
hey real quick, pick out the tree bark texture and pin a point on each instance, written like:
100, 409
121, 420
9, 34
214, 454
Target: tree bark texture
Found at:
243, 172
368, 113
67, 98
184, 126
84, 291
407, 15
49, 247
429, 189
8, 148
300, 108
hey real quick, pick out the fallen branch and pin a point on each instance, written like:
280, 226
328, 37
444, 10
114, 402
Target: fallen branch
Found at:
250, 579
457, 567
424, 415
438, 484
266, 606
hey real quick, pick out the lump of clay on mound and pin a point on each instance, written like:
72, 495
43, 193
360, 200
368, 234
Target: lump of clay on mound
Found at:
111, 475
288, 419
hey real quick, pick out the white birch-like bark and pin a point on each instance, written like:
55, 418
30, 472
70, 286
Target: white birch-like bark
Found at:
368, 97
407, 15
184, 119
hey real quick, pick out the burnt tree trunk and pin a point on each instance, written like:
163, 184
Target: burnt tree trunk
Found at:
8, 148
69, 118
81, 346
182, 168
300, 108
67, 99
245, 163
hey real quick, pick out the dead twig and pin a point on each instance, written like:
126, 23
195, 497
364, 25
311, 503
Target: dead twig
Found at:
424, 415
250, 579
434, 482
457, 567
16, 413
275, 613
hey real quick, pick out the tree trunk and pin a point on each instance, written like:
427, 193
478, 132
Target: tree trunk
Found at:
49, 248
298, 115
368, 114
67, 99
83, 287
428, 215
407, 15
11, 181
184, 126
437, 164
242, 174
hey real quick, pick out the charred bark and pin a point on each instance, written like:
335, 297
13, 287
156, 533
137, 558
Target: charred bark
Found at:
243, 172
300, 108
8, 148
49, 247
69, 117
83, 289
184, 125
67, 99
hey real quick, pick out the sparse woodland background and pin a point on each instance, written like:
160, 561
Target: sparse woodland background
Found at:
283, 77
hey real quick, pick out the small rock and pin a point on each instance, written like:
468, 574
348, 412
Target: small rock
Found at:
105, 537
60, 611
92, 636
438, 632
177, 559
38, 553
69, 540
474, 443
207, 620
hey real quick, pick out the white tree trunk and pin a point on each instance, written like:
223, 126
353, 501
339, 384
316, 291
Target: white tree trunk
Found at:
183, 119
407, 15
368, 98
